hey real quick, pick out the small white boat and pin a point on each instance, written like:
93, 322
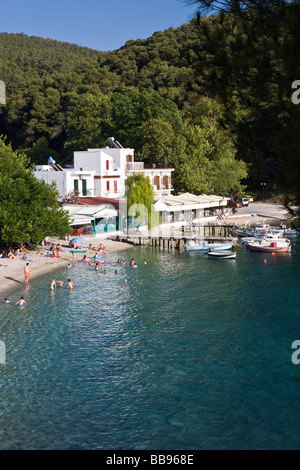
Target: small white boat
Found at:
205, 246
221, 254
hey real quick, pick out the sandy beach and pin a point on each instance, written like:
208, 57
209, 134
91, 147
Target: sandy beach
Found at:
40, 262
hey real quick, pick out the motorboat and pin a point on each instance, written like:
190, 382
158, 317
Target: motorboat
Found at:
246, 240
270, 243
221, 254
258, 230
289, 232
205, 246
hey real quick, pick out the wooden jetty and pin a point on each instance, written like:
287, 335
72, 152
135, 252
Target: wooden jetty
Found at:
177, 239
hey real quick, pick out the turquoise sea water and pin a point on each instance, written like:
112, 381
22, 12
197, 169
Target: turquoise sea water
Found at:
195, 353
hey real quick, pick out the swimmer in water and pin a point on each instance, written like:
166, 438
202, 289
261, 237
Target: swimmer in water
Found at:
70, 284
53, 284
21, 302
60, 282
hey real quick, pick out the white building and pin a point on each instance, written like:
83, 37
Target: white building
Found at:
102, 173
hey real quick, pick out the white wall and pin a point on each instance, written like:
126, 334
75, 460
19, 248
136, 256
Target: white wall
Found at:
65, 180
88, 161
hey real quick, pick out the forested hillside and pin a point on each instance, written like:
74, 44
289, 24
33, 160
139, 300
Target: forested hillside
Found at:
211, 98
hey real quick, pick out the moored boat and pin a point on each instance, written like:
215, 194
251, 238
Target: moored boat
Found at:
205, 246
289, 232
270, 243
221, 254
258, 230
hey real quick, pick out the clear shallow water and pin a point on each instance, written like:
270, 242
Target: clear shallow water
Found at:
194, 353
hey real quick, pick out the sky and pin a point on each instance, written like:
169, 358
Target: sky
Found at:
104, 25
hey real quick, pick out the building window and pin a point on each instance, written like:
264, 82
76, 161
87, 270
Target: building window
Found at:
115, 186
107, 185
84, 191
75, 185
107, 164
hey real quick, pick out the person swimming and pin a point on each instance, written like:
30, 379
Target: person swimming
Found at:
53, 284
21, 301
70, 284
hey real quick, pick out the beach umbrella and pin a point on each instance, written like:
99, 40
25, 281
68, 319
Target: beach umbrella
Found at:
78, 240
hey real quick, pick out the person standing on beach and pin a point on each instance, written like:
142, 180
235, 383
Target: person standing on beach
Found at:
26, 273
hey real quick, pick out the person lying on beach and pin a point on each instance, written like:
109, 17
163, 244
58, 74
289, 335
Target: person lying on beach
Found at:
71, 244
55, 253
21, 301
23, 249
101, 248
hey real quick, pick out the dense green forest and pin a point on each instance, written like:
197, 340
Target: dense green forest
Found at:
212, 98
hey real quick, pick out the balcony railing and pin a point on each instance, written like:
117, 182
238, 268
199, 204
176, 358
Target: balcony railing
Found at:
134, 166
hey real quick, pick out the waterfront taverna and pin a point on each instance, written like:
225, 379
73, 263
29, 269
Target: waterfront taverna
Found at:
188, 206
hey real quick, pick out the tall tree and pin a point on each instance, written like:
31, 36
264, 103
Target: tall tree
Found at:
140, 197
28, 206
248, 58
